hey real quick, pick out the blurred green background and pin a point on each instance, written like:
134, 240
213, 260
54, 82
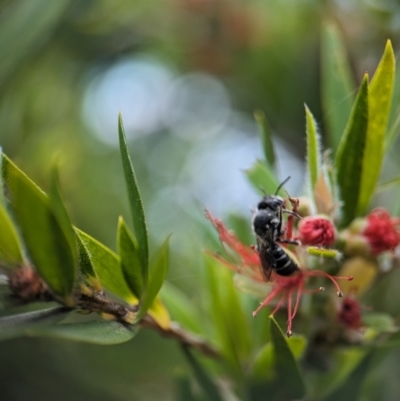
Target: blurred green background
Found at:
187, 76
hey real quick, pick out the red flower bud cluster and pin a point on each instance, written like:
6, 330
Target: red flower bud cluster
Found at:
317, 231
382, 231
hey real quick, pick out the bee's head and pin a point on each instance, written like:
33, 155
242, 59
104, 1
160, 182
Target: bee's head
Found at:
271, 202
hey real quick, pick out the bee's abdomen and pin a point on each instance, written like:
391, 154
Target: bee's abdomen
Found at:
284, 264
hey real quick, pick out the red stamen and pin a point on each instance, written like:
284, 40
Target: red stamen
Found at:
332, 278
279, 304
267, 300
290, 317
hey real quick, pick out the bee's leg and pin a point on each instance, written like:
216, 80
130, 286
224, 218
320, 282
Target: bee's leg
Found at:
289, 226
289, 241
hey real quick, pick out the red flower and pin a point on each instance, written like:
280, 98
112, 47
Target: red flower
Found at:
282, 288
349, 314
316, 231
382, 231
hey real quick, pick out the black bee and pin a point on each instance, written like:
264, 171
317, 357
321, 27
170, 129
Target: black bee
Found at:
267, 226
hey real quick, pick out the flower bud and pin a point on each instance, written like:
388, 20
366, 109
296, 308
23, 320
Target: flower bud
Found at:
382, 231
349, 314
317, 231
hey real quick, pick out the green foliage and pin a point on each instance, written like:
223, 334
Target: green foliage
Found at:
44, 226
379, 103
94, 332
313, 149
285, 363
158, 272
107, 266
136, 205
266, 138
128, 249
350, 155
262, 178
10, 245
337, 83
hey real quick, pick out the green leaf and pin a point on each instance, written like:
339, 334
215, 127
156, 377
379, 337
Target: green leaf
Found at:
63, 219
47, 242
107, 266
181, 307
94, 332
285, 363
17, 325
337, 83
136, 205
204, 380
158, 272
134, 272
86, 266
264, 362
10, 246
262, 178
266, 137
379, 102
350, 155
313, 149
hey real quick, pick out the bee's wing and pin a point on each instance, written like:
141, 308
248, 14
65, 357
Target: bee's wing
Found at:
267, 262
259, 289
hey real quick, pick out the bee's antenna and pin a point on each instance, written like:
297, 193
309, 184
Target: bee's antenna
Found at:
262, 190
282, 184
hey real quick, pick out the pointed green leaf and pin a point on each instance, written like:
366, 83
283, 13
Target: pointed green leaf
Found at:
264, 362
205, 382
135, 200
337, 83
379, 102
10, 246
44, 235
134, 272
86, 267
93, 332
107, 266
266, 137
285, 364
350, 155
63, 219
262, 178
313, 149
158, 272
17, 325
